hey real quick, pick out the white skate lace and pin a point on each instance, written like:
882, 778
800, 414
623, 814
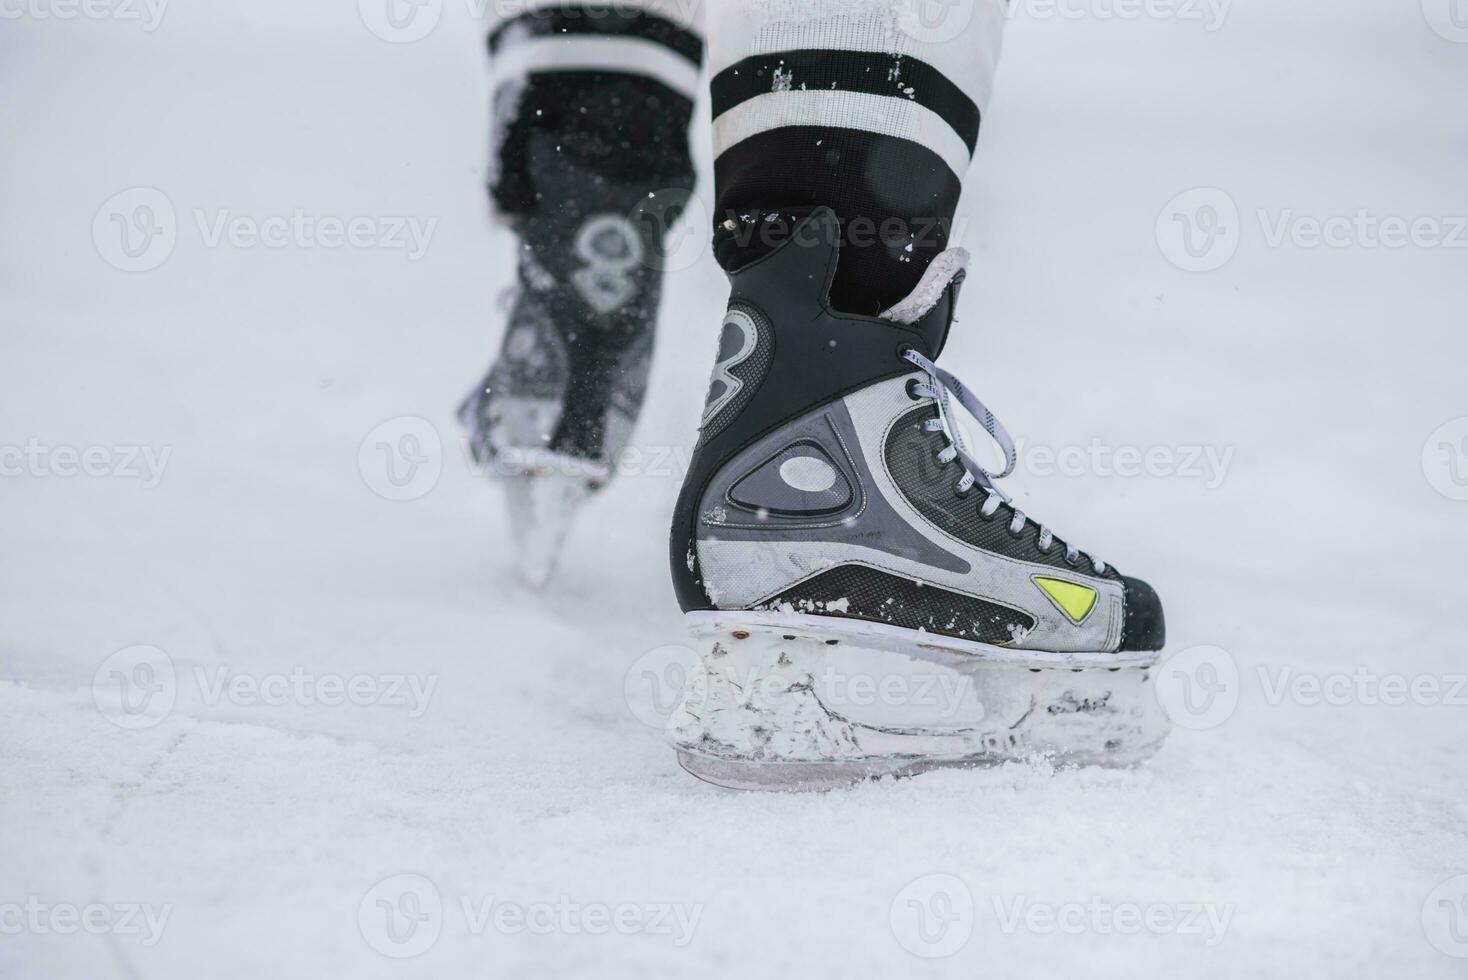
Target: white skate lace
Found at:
942, 386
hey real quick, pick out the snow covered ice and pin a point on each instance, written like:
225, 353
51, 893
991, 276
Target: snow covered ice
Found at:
195, 495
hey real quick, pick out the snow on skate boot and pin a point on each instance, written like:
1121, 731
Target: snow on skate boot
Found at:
867, 601
560, 401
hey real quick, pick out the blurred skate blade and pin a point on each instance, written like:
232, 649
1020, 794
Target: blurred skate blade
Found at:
542, 508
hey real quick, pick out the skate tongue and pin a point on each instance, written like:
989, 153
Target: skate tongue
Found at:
941, 272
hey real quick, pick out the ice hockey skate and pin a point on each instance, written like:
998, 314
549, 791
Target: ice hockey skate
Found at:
866, 600
560, 401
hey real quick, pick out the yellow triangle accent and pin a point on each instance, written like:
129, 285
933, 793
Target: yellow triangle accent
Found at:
1076, 601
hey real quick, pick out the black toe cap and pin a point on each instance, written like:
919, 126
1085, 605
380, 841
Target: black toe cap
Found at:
1143, 626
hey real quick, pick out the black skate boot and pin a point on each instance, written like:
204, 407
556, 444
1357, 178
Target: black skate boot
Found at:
835, 536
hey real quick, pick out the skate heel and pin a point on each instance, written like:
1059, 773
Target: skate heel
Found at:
770, 709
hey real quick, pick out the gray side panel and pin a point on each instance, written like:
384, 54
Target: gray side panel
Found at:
769, 489
867, 522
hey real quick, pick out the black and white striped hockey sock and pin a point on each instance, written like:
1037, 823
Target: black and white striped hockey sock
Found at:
613, 83
870, 107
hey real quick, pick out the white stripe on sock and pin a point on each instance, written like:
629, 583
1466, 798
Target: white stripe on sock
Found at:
882, 114
591, 52
743, 28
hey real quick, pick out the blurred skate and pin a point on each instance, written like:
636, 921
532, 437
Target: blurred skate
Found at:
560, 401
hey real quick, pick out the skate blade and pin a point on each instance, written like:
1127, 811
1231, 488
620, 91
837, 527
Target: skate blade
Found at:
789, 712
541, 509
806, 777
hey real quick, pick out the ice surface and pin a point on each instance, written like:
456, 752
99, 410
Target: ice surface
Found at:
264, 829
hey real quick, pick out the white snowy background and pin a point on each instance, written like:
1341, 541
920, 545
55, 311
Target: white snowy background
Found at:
1327, 836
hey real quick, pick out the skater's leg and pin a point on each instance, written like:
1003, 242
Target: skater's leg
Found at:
858, 105
816, 60
589, 139
833, 529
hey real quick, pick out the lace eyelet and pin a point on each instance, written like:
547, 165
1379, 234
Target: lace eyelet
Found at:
1073, 564
911, 384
